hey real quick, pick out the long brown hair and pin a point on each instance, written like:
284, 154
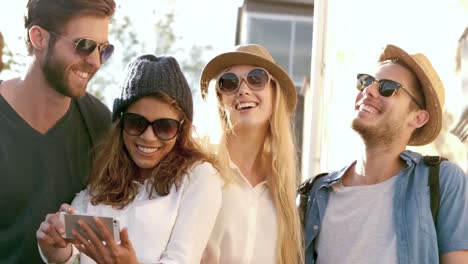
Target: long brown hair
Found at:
112, 180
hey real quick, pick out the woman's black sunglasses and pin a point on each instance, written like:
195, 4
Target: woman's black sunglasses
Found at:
230, 82
85, 46
387, 88
164, 128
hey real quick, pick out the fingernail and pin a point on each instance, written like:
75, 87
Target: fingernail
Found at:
61, 231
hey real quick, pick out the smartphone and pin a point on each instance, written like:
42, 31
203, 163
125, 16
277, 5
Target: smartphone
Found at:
70, 222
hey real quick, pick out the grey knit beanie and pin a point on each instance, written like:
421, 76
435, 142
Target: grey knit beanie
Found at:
149, 74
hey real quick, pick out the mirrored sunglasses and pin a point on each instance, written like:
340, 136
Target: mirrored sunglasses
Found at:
86, 46
256, 79
387, 88
163, 128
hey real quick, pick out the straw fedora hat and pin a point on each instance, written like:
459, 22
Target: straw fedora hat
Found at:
432, 88
255, 55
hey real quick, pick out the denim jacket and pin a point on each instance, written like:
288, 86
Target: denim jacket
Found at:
419, 240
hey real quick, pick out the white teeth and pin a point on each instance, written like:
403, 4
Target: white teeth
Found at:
368, 109
241, 106
147, 150
82, 74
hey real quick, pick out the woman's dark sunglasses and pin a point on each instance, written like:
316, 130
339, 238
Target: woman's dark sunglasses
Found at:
163, 128
387, 88
85, 46
230, 82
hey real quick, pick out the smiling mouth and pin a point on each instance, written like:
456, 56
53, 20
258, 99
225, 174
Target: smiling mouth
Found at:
369, 109
147, 150
247, 105
81, 74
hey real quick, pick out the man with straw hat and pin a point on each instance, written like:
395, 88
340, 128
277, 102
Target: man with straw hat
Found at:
391, 205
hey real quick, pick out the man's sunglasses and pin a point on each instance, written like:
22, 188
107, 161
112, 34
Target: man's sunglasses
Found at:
163, 128
230, 82
387, 88
85, 46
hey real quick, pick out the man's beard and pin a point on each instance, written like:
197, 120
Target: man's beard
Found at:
55, 73
374, 135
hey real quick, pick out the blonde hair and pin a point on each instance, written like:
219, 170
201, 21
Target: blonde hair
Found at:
278, 150
112, 180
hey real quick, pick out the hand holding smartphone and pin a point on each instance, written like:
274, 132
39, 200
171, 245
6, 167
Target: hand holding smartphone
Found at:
70, 222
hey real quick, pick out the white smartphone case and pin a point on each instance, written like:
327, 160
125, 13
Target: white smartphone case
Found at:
70, 222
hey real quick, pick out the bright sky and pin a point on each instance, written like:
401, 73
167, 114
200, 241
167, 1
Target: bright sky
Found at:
198, 22
201, 22
192, 23
357, 30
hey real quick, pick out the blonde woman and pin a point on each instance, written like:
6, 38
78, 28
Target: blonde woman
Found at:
258, 221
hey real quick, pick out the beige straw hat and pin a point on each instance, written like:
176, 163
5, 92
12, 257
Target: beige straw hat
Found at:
432, 88
255, 55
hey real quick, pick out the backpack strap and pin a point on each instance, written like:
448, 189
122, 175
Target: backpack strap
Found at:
433, 181
303, 195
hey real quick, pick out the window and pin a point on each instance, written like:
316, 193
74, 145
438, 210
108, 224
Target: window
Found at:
288, 38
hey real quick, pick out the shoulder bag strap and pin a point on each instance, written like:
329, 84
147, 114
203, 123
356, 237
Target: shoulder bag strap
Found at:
433, 181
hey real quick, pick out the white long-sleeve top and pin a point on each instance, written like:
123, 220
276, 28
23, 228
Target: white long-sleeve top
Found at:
246, 230
169, 229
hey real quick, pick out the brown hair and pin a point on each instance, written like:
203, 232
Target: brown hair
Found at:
112, 180
54, 14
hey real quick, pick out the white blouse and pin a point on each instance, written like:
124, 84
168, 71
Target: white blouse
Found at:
247, 228
169, 229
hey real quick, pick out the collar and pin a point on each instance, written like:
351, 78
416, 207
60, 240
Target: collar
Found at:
333, 178
411, 158
241, 178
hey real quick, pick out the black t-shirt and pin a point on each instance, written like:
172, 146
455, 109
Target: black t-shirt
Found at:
38, 172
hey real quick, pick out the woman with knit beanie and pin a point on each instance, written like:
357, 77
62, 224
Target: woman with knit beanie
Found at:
149, 173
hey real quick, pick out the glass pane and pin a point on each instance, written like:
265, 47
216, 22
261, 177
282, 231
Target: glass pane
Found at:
302, 51
274, 35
